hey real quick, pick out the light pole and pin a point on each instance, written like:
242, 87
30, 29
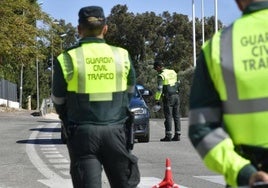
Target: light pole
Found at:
37, 84
21, 85
203, 27
216, 14
193, 17
37, 70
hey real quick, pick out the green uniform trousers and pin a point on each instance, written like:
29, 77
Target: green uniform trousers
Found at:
93, 148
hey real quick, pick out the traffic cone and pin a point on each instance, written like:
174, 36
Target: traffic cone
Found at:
168, 180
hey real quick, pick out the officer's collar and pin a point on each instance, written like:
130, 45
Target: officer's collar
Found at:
256, 6
91, 39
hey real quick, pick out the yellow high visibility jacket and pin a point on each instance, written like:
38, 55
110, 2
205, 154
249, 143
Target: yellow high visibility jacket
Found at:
169, 81
237, 62
97, 69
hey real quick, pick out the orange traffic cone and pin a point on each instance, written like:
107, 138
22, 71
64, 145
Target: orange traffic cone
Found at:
168, 180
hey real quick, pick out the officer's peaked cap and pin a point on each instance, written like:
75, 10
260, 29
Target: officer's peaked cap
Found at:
91, 14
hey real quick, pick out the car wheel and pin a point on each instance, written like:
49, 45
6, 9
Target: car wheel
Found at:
145, 138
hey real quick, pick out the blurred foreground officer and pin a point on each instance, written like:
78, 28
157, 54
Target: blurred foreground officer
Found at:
229, 98
93, 84
167, 89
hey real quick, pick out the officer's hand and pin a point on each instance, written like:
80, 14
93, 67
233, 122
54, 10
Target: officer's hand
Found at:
259, 176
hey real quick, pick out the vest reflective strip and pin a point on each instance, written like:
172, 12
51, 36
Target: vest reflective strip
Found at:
67, 66
80, 66
204, 115
121, 66
210, 141
233, 105
119, 63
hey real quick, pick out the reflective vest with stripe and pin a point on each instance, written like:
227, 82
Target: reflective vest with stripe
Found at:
169, 78
97, 69
237, 61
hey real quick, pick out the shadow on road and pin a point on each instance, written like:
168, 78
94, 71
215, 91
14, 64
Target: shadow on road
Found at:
40, 141
46, 129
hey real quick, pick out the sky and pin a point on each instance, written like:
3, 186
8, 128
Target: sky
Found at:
68, 9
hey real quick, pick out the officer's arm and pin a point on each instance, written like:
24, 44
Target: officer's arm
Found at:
159, 88
131, 80
207, 134
59, 91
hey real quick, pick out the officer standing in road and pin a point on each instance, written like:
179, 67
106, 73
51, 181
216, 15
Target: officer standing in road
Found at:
92, 86
229, 98
168, 87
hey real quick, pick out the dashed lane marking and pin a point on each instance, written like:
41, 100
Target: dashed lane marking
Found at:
53, 180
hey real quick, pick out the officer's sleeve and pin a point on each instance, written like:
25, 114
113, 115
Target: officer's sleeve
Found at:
59, 90
206, 130
131, 80
159, 88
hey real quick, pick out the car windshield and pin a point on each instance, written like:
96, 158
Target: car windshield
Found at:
137, 93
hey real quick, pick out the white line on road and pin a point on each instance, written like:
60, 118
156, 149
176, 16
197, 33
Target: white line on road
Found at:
48, 149
54, 156
52, 180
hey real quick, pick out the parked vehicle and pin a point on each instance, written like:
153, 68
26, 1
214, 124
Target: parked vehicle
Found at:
141, 114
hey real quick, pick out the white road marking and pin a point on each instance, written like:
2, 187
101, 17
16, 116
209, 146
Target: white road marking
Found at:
47, 146
48, 149
45, 135
62, 166
65, 172
58, 160
53, 180
54, 156
51, 152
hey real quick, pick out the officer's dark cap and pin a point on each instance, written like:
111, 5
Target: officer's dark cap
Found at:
158, 64
91, 14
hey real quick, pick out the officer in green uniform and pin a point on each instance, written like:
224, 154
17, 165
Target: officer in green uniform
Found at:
167, 89
229, 98
93, 83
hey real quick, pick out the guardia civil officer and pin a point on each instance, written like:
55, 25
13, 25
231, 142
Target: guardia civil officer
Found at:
93, 84
229, 98
167, 90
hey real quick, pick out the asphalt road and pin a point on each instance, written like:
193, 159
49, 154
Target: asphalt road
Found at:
32, 155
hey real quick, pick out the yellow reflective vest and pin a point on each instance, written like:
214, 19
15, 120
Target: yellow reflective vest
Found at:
169, 78
237, 62
97, 69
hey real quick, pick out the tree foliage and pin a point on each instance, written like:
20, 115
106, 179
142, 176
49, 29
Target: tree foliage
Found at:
147, 36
